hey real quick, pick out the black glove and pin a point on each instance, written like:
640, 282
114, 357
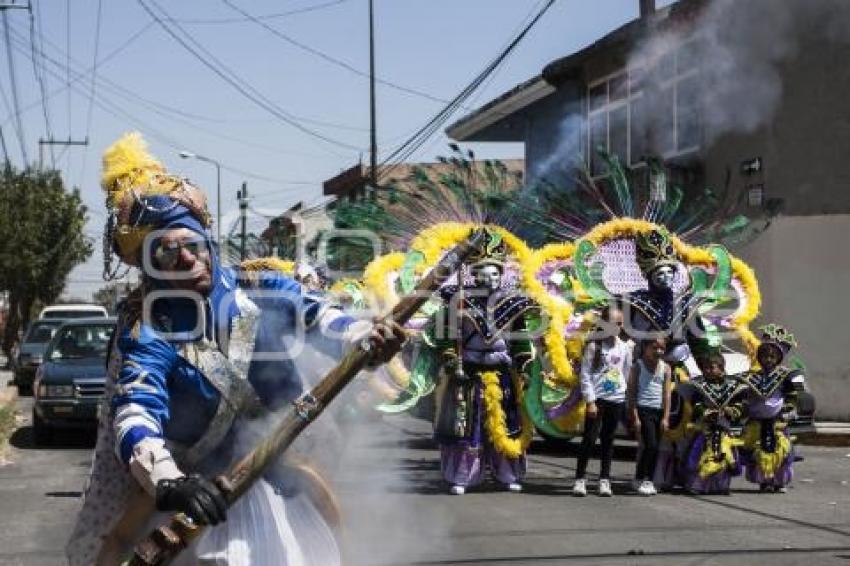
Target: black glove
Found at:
193, 495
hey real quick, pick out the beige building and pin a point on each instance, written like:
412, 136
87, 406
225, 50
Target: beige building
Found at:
754, 92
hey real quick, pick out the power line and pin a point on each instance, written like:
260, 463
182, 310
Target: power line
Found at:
39, 75
153, 106
234, 80
329, 58
262, 17
80, 76
405, 150
68, 60
13, 84
93, 81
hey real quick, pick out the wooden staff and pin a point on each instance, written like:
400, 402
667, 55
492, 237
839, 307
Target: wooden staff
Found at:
166, 542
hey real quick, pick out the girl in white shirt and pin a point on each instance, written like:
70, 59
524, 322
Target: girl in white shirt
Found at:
604, 368
649, 408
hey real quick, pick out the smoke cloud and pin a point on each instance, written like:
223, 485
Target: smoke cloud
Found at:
740, 51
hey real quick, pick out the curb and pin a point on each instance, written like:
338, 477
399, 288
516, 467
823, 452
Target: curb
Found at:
826, 434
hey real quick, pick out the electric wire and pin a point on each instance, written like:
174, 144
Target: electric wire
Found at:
93, 82
68, 60
170, 113
261, 17
81, 76
405, 150
330, 59
5, 150
39, 77
119, 112
234, 80
13, 85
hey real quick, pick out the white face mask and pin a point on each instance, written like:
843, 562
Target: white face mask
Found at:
488, 277
663, 277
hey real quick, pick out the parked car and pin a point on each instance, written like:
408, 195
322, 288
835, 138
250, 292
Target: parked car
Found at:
31, 351
69, 385
73, 311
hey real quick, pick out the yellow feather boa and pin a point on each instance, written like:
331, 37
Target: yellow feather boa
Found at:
708, 465
558, 309
768, 462
495, 420
376, 279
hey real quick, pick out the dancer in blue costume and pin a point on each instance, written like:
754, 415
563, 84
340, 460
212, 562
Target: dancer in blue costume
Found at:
199, 352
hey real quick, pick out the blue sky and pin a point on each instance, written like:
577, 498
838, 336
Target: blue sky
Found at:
432, 46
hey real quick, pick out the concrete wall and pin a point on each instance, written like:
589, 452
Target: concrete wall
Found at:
805, 145
803, 267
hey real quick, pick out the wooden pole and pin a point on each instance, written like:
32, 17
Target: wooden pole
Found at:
165, 543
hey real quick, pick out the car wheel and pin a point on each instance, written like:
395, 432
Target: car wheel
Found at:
42, 434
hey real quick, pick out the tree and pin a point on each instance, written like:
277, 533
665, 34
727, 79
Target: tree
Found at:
41, 241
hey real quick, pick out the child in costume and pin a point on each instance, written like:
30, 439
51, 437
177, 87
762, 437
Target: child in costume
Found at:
649, 408
605, 364
712, 457
771, 402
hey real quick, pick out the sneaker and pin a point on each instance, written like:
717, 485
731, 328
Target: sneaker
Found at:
646, 488
765, 488
514, 487
457, 490
580, 488
605, 488
652, 490
782, 489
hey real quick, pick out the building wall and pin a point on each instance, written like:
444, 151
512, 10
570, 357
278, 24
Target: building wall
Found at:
804, 147
802, 268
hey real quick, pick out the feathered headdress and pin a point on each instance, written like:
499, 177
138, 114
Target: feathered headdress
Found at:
141, 196
655, 249
779, 336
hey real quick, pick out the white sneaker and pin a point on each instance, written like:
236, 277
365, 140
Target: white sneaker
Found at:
646, 488
780, 490
580, 488
605, 488
514, 487
457, 490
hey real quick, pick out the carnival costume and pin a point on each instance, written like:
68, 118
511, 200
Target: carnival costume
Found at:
771, 403
712, 451
610, 252
188, 375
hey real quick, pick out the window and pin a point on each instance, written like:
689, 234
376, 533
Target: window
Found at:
623, 117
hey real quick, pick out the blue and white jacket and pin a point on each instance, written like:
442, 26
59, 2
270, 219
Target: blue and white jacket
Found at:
178, 363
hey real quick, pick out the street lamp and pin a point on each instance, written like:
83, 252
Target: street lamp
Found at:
189, 155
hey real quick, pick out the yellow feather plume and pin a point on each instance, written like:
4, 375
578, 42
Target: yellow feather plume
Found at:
127, 164
287, 267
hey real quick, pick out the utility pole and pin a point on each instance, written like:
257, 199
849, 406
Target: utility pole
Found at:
243, 213
51, 142
373, 171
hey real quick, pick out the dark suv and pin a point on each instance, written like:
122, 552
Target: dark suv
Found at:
70, 384
31, 351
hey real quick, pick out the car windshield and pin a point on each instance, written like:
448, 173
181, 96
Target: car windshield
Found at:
77, 342
42, 331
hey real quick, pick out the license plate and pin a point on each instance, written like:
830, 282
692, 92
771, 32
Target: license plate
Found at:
63, 410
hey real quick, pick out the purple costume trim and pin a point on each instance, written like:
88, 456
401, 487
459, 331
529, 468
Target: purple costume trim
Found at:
566, 405
715, 483
781, 477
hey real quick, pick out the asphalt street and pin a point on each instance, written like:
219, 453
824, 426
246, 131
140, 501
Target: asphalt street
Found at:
397, 511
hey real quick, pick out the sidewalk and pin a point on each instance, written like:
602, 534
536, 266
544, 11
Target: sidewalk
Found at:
827, 434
